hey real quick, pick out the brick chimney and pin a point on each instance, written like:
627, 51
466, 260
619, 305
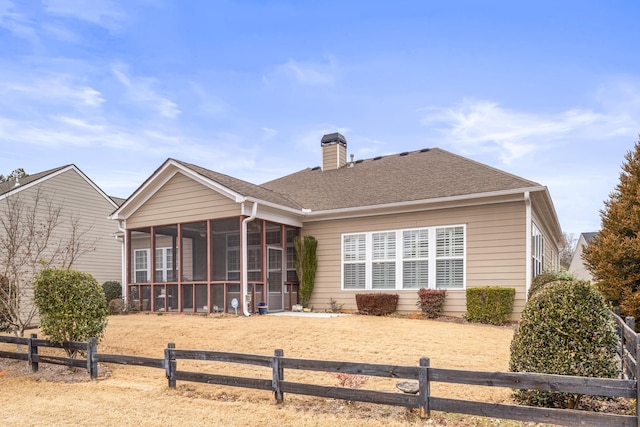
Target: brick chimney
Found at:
334, 151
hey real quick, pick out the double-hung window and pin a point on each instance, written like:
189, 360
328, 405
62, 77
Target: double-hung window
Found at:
415, 258
430, 257
450, 258
383, 263
164, 265
354, 261
141, 265
537, 251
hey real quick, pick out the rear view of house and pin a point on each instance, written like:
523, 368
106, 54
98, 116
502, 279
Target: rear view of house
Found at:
200, 241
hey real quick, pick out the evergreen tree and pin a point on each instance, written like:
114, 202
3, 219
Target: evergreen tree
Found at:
17, 173
613, 256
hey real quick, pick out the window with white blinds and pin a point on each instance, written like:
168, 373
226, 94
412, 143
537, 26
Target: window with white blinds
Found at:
432, 257
415, 259
383, 267
450, 258
354, 261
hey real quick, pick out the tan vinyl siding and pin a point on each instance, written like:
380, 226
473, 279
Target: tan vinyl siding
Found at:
81, 201
329, 157
495, 254
182, 200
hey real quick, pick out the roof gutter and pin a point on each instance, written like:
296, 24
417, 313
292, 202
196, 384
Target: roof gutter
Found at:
245, 274
462, 200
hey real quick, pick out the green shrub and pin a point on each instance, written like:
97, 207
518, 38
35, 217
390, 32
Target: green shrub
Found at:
547, 277
112, 290
490, 304
431, 301
72, 306
377, 304
306, 249
116, 306
567, 329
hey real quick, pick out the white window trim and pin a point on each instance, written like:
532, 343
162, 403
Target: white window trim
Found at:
432, 258
136, 270
537, 250
165, 269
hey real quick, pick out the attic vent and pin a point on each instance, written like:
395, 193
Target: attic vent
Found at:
404, 153
377, 158
359, 161
424, 150
316, 168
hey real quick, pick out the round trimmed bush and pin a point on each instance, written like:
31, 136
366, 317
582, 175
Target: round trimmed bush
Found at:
72, 306
547, 277
112, 290
566, 329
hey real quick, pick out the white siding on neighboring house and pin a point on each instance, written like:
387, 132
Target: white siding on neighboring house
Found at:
577, 266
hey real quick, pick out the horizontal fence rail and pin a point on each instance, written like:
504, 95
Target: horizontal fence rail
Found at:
628, 345
423, 375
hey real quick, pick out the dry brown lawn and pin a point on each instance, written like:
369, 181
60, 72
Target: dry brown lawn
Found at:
135, 396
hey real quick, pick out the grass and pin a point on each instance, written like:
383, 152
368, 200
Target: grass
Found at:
133, 396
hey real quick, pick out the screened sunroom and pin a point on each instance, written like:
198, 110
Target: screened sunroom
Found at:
196, 267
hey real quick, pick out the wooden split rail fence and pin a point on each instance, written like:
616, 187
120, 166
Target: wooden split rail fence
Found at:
628, 345
423, 374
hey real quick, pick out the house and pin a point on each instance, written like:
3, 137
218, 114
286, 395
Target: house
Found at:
577, 266
83, 217
396, 223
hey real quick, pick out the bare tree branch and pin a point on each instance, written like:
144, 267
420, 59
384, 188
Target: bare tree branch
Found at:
34, 234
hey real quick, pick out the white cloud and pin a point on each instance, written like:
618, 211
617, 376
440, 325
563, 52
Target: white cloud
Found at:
103, 13
59, 88
484, 126
141, 91
306, 73
18, 24
268, 133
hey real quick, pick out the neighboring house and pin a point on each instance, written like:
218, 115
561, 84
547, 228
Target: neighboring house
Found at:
82, 201
394, 224
577, 266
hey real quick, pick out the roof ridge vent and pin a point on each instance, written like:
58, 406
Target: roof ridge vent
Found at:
404, 153
315, 168
424, 150
377, 158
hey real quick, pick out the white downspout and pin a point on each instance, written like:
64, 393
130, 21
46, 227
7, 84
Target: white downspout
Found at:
123, 260
528, 221
245, 273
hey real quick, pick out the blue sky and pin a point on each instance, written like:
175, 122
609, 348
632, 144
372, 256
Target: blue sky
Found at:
547, 90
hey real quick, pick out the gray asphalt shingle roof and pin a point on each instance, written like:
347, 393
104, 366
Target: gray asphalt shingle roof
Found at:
417, 175
243, 187
7, 186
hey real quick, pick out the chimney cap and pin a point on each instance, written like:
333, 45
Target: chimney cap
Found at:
333, 138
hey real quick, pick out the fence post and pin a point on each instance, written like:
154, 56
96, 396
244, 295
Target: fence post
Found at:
278, 375
170, 364
423, 386
637, 373
33, 351
92, 361
631, 322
